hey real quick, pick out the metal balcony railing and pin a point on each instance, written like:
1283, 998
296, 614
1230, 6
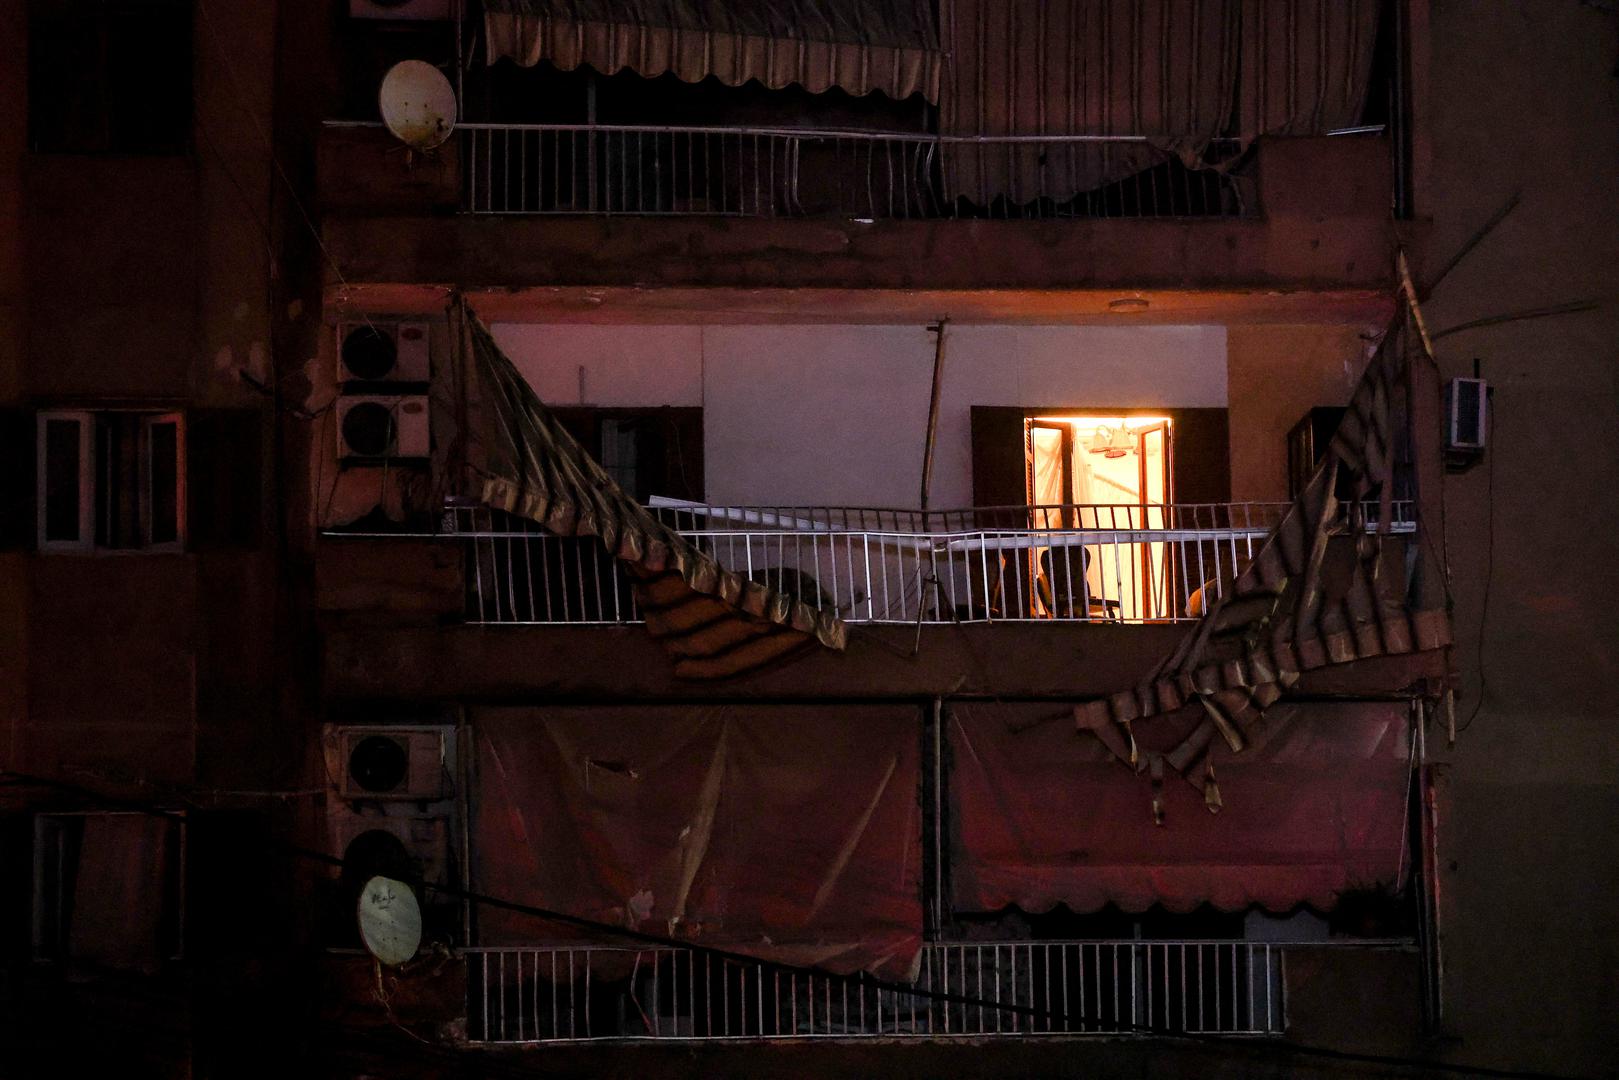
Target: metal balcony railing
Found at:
788, 172
1087, 563
546, 994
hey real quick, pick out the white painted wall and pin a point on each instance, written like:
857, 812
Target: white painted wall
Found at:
836, 414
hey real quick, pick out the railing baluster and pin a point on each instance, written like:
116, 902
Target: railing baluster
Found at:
920, 571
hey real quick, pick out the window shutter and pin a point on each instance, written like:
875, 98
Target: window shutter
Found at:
1201, 460
1000, 473
224, 477
18, 479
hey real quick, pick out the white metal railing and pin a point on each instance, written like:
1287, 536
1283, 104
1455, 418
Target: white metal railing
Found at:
1090, 563
1012, 989
791, 172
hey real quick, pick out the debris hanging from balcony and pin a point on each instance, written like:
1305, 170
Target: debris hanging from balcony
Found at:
855, 45
1324, 589
497, 443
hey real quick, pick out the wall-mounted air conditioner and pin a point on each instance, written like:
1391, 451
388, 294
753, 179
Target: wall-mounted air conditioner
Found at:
391, 810
401, 9
379, 351
1467, 403
382, 427
411, 848
391, 762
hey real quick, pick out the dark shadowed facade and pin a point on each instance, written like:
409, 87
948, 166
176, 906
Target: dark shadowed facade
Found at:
877, 536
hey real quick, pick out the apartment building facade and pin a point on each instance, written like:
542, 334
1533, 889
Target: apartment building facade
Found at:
804, 533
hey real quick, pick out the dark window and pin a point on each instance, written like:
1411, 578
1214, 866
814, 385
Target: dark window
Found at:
108, 889
653, 451
109, 76
111, 480
62, 481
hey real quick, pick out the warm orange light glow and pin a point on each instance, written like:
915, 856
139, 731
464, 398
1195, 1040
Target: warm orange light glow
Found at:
1086, 425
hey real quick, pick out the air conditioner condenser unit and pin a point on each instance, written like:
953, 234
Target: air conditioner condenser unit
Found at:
401, 9
382, 351
370, 762
382, 427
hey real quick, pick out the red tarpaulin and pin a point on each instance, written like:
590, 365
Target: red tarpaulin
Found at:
1041, 817
792, 833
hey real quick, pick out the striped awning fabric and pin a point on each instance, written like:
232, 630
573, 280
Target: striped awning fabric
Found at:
856, 45
1324, 589
497, 443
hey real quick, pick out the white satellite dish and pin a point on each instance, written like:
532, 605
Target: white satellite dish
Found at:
390, 920
418, 104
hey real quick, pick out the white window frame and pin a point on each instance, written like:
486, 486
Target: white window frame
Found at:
148, 481
88, 494
87, 485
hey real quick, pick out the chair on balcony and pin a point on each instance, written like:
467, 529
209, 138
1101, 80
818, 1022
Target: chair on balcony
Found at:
1062, 593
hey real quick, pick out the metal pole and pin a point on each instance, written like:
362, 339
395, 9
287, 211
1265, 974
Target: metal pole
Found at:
936, 329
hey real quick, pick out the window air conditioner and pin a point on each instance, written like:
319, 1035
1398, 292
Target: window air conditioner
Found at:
381, 427
400, 9
1466, 414
383, 352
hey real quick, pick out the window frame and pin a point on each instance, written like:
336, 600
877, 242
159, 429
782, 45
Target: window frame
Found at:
86, 539
150, 421
89, 494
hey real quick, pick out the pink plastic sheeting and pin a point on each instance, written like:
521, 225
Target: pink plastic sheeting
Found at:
786, 832
1041, 816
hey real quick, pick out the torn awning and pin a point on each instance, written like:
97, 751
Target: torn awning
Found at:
1323, 589
790, 833
495, 442
858, 46
1315, 807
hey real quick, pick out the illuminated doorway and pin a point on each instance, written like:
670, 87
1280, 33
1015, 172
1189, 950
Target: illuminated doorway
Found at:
1107, 473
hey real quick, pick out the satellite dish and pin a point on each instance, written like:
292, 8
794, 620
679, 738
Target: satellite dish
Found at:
418, 104
390, 920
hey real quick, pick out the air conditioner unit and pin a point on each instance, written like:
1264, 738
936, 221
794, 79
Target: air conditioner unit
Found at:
405, 847
382, 427
387, 762
379, 351
1466, 414
401, 9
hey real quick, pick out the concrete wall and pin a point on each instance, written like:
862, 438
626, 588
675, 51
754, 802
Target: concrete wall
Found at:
13, 329
1521, 96
832, 414
142, 281
1324, 226
1276, 374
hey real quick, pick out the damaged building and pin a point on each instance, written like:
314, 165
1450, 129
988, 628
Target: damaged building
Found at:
865, 536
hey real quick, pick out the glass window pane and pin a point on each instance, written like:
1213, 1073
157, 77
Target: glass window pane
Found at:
165, 477
62, 468
620, 457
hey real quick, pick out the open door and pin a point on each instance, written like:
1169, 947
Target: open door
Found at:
1099, 473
